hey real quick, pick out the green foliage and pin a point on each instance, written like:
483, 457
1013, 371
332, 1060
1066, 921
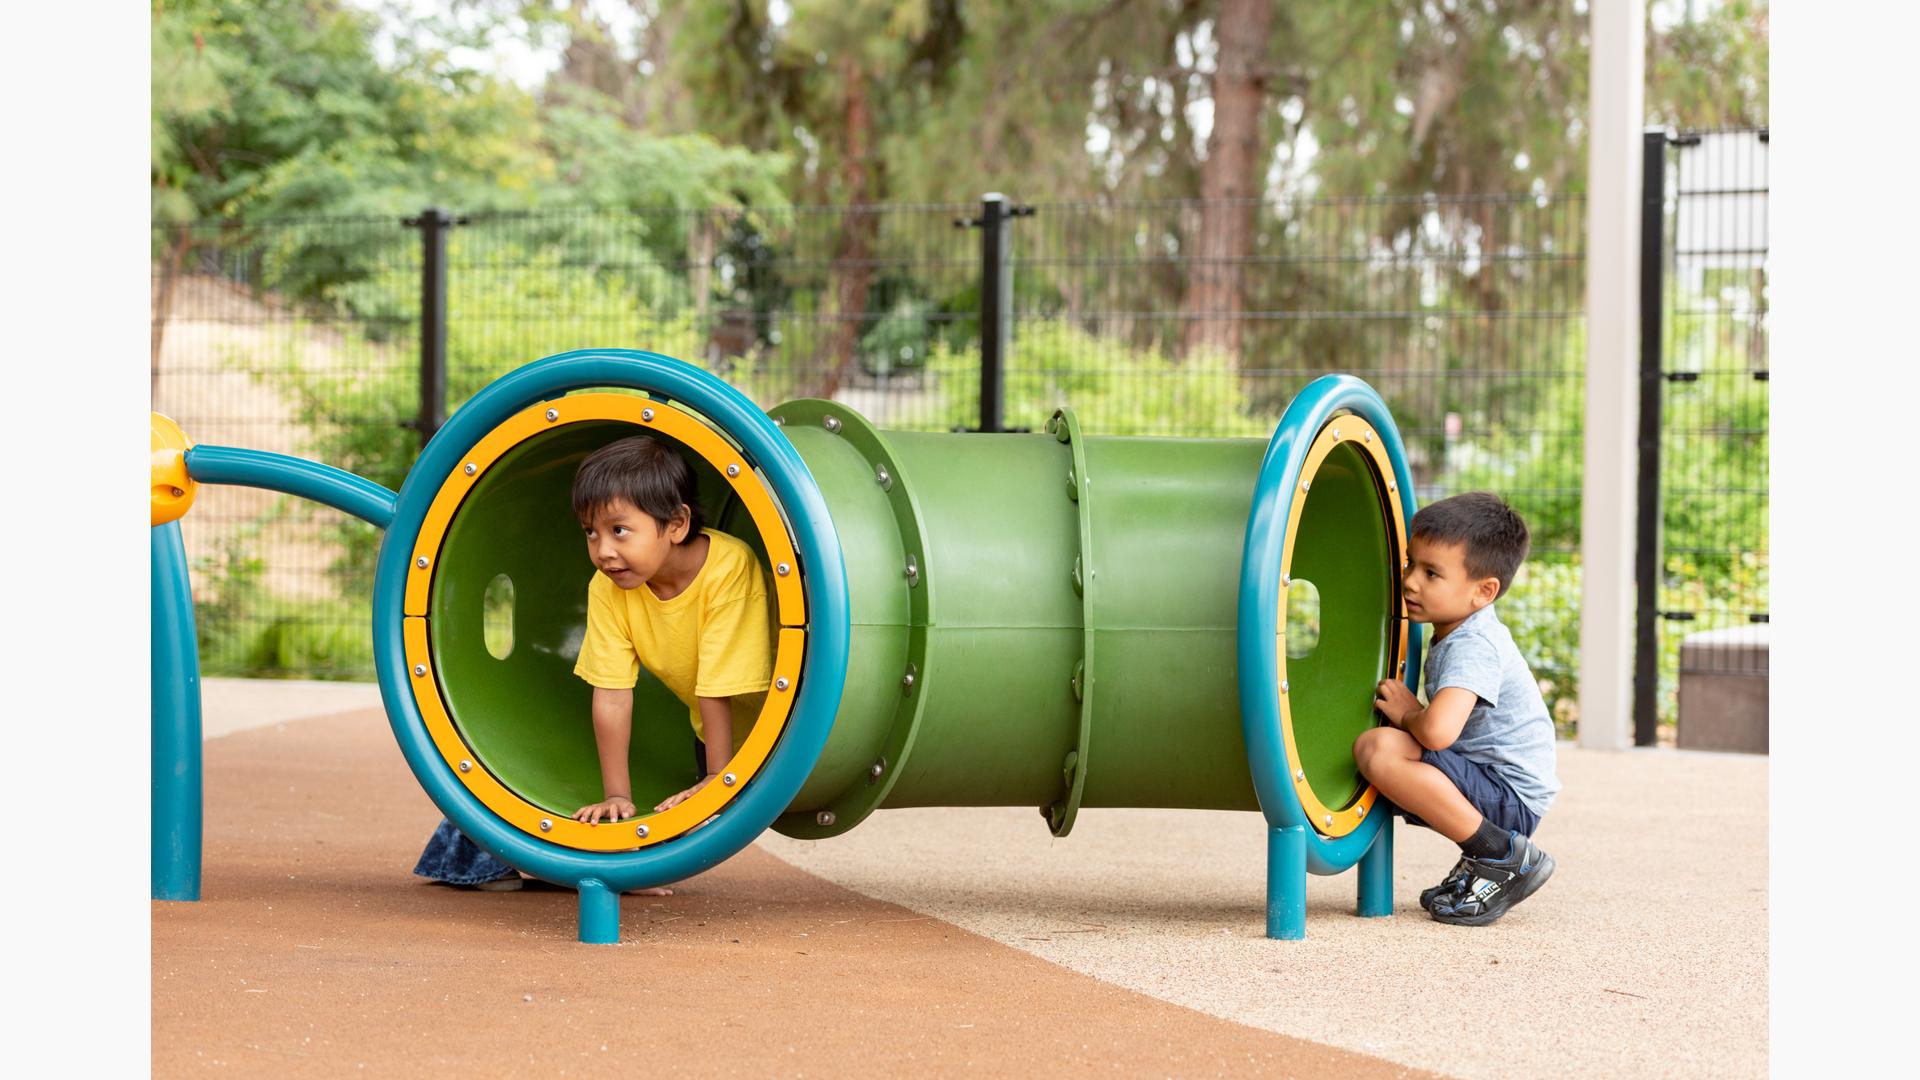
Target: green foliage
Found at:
1114, 389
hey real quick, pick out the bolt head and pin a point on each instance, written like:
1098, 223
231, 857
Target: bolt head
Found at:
831, 423
780, 683
419, 669
472, 468
1363, 811
641, 831
1299, 774
729, 779
907, 679
466, 766
824, 817
1366, 436
1286, 581
177, 492
1336, 434
1393, 485
552, 415
1283, 686
733, 470
421, 562
1305, 484
876, 769
546, 824
646, 414
783, 569
1328, 819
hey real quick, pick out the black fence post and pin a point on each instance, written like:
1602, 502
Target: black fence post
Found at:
433, 224
996, 303
1646, 563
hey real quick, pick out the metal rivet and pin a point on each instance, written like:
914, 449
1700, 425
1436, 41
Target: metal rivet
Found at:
824, 817
1366, 436
783, 569
1391, 486
907, 680
472, 468
1328, 819
1283, 686
1363, 811
883, 478
1286, 582
913, 570
1403, 667
1336, 434
419, 669
729, 779
780, 420
874, 770
733, 470
552, 415
546, 824
1304, 485
780, 683
831, 423
421, 562
646, 414
1299, 774
176, 492
641, 831
466, 766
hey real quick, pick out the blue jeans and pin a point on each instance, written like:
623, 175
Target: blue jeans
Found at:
451, 857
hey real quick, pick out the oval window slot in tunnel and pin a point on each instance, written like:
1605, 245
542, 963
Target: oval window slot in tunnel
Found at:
1303, 618
496, 625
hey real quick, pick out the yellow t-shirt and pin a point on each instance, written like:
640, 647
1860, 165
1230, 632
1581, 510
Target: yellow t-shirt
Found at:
713, 640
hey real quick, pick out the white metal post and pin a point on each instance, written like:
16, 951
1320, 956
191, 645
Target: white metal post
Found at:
1615, 116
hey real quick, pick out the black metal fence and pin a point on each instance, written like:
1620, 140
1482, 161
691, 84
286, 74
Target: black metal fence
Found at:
1703, 560
305, 337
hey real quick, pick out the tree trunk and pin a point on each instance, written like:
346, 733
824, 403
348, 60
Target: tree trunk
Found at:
1229, 178
852, 270
163, 300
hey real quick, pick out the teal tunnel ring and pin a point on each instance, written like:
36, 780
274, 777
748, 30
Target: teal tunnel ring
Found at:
1262, 597
822, 676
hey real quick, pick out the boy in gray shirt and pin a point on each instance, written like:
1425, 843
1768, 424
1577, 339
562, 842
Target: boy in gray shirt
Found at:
1476, 763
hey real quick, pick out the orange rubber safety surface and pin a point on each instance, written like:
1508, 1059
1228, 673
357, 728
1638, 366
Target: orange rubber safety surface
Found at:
315, 952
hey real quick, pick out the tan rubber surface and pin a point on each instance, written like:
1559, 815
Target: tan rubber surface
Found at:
315, 952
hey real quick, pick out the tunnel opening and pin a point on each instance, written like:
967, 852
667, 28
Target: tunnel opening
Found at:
520, 710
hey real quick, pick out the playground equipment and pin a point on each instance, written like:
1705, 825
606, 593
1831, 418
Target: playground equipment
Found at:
1050, 619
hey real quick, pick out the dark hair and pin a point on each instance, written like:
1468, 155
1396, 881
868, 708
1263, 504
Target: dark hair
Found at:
642, 471
1493, 534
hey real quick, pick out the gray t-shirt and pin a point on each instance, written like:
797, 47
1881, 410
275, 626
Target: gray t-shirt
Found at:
1509, 730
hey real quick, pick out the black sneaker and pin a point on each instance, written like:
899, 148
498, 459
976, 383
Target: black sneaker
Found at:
1455, 878
1496, 885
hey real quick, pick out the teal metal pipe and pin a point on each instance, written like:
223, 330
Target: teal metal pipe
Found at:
323, 484
175, 673
1376, 875
1287, 883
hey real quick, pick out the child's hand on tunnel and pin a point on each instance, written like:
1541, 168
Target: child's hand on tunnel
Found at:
613, 809
675, 800
1395, 701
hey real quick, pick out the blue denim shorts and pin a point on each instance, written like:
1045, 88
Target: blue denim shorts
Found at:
1489, 794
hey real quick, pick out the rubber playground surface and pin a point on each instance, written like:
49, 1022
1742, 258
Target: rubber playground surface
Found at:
949, 941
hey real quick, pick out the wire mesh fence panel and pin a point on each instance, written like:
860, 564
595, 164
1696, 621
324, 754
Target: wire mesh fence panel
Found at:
1714, 564
287, 337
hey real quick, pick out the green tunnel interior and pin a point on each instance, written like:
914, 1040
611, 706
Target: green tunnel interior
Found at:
1343, 548
525, 715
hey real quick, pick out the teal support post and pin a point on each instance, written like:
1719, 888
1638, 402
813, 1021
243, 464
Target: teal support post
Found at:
599, 913
175, 675
1287, 883
1376, 874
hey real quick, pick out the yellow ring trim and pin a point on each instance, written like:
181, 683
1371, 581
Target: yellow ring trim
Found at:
790, 602
1351, 430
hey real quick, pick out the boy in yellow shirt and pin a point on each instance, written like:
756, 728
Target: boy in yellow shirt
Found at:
687, 602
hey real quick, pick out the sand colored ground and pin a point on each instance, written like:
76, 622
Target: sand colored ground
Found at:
1076, 953
314, 953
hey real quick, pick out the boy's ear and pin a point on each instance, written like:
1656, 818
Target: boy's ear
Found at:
1485, 591
681, 523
